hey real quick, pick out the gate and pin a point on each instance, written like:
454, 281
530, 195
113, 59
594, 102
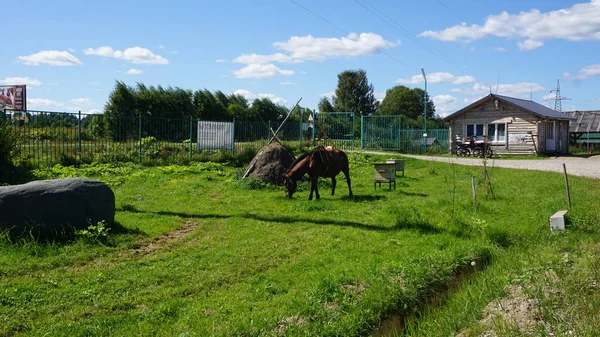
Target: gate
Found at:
380, 132
334, 128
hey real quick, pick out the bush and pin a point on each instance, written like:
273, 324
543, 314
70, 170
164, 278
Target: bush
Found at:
8, 148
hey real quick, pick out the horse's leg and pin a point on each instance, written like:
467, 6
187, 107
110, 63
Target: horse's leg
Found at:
315, 186
312, 187
333, 182
347, 174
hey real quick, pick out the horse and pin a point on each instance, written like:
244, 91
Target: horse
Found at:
320, 162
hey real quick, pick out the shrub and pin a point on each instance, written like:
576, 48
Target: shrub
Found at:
8, 148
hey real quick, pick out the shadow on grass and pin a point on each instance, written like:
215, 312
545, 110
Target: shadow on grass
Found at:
363, 198
423, 228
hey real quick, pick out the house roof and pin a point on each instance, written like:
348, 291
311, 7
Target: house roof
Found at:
586, 121
531, 106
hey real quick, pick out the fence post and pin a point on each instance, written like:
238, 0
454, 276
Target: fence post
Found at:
140, 137
300, 131
233, 136
362, 132
79, 133
191, 134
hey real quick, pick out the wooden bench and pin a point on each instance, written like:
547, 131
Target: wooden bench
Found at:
385, 173
399, 164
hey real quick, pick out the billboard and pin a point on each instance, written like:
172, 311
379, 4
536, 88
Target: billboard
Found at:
215, 135
13, 97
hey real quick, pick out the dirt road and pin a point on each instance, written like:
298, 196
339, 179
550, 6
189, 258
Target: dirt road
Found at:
579, 166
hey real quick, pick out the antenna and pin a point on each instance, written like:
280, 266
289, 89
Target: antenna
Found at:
558, 98
497, 84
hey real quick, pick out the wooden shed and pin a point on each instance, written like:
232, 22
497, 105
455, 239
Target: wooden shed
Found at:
586, 128
512, 125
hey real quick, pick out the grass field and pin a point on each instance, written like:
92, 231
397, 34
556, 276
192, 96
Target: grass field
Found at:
199, 252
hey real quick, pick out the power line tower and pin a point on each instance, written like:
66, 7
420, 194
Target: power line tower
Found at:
558, 98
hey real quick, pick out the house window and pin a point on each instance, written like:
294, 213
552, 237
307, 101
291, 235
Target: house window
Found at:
497, 133
475, 130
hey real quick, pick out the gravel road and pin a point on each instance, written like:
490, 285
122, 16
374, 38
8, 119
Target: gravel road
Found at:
578, 166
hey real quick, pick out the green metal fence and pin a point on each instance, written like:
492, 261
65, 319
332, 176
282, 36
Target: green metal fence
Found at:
334, 128
57, 137
434, 141
380, 132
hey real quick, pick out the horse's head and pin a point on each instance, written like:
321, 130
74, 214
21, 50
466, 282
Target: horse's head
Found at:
290, 185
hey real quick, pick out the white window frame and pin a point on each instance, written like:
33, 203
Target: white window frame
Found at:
495, 135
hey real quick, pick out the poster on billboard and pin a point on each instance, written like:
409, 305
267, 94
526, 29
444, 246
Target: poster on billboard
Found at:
13, 97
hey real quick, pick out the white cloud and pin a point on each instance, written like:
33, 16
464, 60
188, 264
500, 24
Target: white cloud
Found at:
379, 95
585, 72
579, 22
328, 94
298, 49
135, 55
251, 96
220, 61
133, 71
438, 77
261, 71
444, 104
82, 101
262, 59
72, 50
318, 49
287, 83
92, 111
498, 49
51, 57
529, 44
43, 103
20, 80
161, 47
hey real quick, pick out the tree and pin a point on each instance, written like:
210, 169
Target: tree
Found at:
265, 109
325, 105
354, 93
401, 100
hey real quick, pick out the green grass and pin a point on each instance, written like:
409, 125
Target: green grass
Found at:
257, 263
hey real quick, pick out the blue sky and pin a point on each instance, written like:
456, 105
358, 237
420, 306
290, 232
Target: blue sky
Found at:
70, 53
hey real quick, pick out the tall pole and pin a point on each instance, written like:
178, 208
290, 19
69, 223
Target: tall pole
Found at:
424, 112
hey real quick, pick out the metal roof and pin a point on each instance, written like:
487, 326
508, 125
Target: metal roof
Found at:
586, 121
531, 106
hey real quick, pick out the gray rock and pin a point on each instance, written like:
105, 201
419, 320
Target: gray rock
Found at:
53, 205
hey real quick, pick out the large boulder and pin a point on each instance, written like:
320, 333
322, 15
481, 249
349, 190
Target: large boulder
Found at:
271, 162
53, 205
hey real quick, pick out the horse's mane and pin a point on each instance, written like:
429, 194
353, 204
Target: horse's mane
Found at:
302, 156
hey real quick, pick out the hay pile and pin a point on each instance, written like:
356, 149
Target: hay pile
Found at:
271, 162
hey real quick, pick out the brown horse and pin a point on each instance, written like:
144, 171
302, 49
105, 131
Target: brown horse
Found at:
320, 162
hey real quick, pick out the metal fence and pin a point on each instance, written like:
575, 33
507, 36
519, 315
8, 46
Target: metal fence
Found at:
380, 132
334, 128
434, 141
57, 137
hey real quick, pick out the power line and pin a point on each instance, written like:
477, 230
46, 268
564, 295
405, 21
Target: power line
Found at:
346, 32
407, 33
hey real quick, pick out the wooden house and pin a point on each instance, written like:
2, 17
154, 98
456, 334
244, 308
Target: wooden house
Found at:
511, 125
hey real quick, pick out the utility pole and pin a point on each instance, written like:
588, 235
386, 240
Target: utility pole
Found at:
558, 98
424, 112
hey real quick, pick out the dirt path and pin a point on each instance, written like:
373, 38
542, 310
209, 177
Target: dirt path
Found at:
578, 166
